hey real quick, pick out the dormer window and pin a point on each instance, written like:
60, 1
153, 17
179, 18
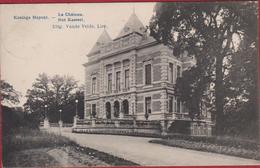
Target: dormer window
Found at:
126, 29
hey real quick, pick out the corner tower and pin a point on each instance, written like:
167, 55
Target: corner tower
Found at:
133, 25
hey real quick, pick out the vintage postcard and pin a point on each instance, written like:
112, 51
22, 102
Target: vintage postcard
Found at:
130, 84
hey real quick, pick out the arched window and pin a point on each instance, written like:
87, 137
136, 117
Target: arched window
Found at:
116, 109
125, 107
108, 110
93, 110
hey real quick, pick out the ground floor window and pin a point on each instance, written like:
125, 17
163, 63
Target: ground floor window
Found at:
116, 109
148, 107
148, 104
125, 107
108, 110
93, 110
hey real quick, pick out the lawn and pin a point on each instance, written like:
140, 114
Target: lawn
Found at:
34, 148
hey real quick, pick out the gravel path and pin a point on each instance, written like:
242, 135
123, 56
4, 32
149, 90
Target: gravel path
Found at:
140, 151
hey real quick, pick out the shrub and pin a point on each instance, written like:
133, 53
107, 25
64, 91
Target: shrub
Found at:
12, 119
223, 141
15, 118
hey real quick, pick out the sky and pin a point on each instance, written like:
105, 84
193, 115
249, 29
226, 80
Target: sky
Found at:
32, 43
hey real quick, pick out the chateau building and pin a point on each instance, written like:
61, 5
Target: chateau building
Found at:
133, 76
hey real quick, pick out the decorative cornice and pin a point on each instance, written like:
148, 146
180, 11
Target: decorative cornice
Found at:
130, 92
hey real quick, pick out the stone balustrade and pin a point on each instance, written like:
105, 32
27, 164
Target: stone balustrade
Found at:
118, 126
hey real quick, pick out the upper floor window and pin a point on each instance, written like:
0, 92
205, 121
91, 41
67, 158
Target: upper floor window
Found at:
178, 105
109, 67
178, 71
170, 104
170, 72
118, 81
127, 78
109, 82
94, 85
148, 74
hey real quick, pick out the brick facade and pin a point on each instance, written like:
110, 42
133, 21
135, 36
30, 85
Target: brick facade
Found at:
126, 62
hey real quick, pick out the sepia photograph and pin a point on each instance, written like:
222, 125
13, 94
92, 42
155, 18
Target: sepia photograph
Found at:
130, 84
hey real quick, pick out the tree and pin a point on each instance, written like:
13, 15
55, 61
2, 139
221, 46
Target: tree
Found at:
79, 95
208, 31
241, 104
13, 117
191, 89
64, 89
39, 96
8, 93
69, 109
56, 92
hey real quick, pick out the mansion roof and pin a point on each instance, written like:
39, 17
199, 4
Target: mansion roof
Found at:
102, 40
133, 34
132, 25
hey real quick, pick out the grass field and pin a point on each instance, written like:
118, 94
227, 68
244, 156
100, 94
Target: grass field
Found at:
34, 148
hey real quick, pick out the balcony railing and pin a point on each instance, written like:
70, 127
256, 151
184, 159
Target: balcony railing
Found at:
182, 116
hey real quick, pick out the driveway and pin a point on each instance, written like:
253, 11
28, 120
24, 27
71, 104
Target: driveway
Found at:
139, 150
